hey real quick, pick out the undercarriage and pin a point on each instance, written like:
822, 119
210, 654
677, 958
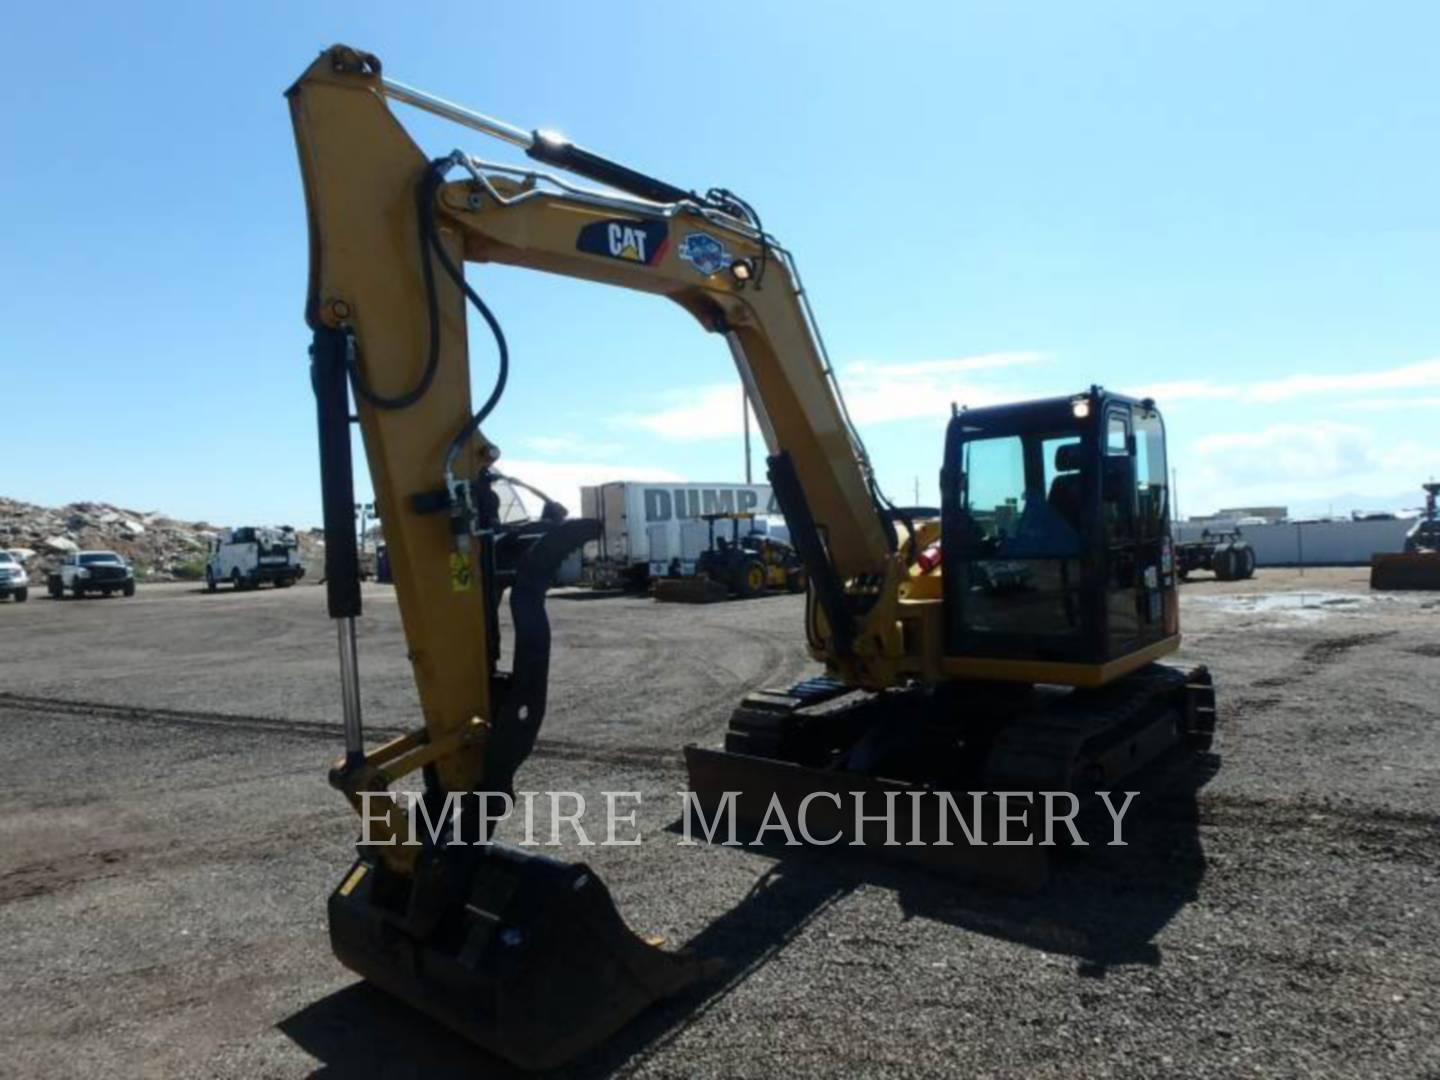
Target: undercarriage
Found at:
1000, 752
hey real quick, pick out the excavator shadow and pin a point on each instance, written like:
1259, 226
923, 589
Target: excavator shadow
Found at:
1104, 907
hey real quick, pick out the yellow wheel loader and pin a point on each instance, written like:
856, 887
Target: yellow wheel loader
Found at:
1008, 644
740, 565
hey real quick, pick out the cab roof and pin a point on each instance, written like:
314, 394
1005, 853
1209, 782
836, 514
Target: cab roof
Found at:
1040, 412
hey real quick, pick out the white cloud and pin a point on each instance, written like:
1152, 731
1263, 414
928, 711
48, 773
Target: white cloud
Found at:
1182, 390
1409, 377
1384, 404
879, 393
1288, 463
876, 393
571, 446
1318, 451
884, 393
701, 412
949, 366
562, 480
1422, 375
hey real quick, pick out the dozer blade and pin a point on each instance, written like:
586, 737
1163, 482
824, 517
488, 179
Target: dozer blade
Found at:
826, 800
1412, 570
525, 955
697, 589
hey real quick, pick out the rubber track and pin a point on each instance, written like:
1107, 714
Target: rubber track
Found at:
1042, 748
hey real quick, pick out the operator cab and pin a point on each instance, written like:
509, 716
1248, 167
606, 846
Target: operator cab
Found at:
1058, 564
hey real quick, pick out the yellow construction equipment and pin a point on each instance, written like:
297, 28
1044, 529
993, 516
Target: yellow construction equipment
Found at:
742, 565
1009, 643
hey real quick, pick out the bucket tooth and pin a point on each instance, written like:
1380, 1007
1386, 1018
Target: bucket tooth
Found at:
523, 954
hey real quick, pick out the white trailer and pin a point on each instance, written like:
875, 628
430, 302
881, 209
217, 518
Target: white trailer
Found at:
650, 529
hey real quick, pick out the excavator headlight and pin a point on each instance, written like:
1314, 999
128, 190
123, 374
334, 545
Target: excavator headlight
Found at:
742, 270
1080, 407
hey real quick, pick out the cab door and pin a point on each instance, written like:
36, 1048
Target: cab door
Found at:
1158, 603
1119, 512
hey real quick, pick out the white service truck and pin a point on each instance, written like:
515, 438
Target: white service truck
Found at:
650, 529
251, 555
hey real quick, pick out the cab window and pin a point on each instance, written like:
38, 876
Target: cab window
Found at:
1117, 430
994, 493
1022, 496
1021, 504
1151, 473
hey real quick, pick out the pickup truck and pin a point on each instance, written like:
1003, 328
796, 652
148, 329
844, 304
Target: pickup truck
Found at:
13, 579
92, 571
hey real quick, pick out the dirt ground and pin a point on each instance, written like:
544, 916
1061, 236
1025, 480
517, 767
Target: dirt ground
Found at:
167, 843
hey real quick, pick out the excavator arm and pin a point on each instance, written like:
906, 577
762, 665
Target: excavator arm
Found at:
390, 231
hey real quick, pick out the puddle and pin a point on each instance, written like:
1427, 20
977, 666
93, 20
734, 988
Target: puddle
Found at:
1298, 605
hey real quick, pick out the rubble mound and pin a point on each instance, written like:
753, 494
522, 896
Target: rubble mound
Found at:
161, 548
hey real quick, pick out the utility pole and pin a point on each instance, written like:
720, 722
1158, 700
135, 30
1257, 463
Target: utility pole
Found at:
745, 422
1175, 494
917, 491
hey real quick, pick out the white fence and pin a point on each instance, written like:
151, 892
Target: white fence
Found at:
1315, 543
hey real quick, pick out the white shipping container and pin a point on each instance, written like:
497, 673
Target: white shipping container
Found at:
645, 526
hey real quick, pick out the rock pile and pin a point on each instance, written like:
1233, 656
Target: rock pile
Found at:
160, 547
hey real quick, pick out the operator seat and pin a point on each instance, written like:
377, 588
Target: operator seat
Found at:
1067, 490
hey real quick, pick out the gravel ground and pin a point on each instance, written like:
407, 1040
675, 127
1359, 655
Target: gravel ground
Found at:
167, 841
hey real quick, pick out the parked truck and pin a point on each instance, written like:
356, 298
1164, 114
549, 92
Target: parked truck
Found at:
83, 572
252, 555
1224, 552
656, 529
14, 582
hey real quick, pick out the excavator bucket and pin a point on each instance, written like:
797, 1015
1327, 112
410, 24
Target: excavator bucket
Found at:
1411, 570
523, 954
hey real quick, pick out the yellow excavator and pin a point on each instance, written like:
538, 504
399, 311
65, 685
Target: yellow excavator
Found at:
1008, 643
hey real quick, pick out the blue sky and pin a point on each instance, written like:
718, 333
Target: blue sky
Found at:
1231, 205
